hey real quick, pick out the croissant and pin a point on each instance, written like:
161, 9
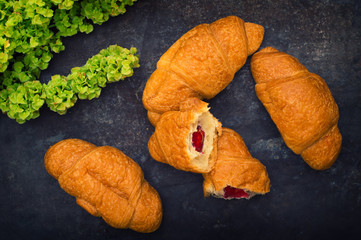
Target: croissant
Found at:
300, 104
200, 64
106, 183
236, 173
187, 139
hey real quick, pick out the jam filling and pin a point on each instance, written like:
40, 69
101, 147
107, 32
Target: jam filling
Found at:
231, 192
198, 139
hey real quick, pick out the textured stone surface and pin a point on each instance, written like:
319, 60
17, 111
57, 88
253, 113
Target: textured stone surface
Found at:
303, 204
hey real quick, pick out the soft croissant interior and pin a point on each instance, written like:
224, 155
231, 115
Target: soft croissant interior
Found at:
208, 124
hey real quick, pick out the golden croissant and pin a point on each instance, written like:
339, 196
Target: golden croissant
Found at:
300, 104
236, 173
200, 64
106, 183
187, 139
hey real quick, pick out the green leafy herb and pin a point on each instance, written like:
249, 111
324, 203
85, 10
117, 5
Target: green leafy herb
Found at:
22, 101
86, 82
59, 94
31, 31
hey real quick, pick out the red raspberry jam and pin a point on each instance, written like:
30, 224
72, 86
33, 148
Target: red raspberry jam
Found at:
231, 192
198, 139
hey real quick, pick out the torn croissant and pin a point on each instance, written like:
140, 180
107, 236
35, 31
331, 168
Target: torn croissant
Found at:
200, 64
236, 173
106, 183
187, 139
300, 104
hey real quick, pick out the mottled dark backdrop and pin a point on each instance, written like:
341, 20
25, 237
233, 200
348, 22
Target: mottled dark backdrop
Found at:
303, 204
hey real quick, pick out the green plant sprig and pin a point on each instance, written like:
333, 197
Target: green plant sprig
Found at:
23, 101
30, 32
109, 65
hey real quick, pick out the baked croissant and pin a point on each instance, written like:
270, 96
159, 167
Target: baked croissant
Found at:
106, 183
200, 64
187, 139
300, 104
236, 173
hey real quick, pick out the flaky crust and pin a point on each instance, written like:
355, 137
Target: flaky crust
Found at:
235, 167
106, 183
200, 64
300, 104
169, 142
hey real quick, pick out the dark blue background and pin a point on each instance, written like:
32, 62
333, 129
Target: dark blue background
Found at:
303, 203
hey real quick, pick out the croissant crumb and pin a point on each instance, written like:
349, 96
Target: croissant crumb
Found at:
186, 139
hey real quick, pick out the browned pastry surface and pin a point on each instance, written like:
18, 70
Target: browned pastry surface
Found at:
200, 64
300, 104
171, 141
235, 167
106, 183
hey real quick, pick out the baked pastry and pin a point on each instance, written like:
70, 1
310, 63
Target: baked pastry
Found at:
106, 183
200, 64
187, 139
236, 173
300, 104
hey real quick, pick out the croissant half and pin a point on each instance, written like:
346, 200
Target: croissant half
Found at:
236, 173
106, 183
187, 139
200, 64
300, 104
